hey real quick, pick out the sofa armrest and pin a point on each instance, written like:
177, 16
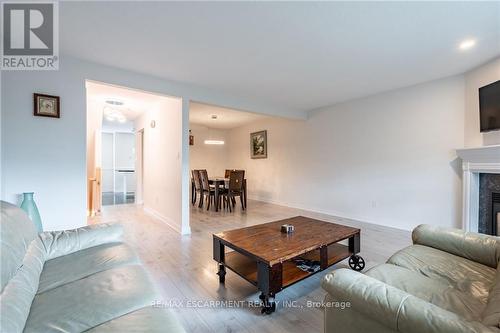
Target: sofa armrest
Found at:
481, 248
392, 307
60, 243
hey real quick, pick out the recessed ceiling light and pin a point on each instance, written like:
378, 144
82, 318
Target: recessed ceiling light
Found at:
467, 44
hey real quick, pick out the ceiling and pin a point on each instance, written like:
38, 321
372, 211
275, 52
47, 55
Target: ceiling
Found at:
135, 102
299, 55
201, 114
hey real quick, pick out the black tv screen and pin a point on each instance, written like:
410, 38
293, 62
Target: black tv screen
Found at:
489, 107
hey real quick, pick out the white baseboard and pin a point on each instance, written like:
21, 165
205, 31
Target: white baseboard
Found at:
162, 218
327, 212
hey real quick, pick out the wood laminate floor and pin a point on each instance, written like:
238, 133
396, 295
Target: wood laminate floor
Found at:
184, 270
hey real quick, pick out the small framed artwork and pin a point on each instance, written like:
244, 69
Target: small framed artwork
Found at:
258, 144
46, 106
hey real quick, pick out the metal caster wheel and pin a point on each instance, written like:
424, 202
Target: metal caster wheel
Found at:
269, 308
356, 263
222, 274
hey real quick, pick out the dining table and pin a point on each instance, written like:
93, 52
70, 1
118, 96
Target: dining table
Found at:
218, 182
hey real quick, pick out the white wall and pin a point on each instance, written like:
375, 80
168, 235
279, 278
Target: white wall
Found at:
475, 79
387, 159
214, 158
48, 156
162, 164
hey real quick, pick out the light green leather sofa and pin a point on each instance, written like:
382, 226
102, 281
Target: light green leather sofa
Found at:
448, 281
73, 281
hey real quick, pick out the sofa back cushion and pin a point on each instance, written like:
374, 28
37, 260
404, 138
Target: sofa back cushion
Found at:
484, 249
491, 314
16, 233
22, 260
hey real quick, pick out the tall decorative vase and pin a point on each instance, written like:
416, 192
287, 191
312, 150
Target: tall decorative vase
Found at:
29, 206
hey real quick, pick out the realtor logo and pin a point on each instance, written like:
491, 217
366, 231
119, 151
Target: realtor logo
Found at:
30, 39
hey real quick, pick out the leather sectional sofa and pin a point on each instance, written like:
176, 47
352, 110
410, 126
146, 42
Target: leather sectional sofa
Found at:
448, 281
78, 280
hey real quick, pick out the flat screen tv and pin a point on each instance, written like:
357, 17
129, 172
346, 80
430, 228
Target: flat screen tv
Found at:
489, 107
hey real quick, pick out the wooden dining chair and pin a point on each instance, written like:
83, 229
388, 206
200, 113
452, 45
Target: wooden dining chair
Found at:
208, 192
228, 172
197, 187
235, 189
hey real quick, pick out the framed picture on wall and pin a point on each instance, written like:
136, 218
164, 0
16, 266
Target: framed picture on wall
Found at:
258, 144
46, 106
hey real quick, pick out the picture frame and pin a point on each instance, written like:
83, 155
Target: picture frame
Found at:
46, 106
258, 144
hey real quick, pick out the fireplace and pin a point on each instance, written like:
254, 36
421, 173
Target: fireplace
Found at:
481, 189
489, 203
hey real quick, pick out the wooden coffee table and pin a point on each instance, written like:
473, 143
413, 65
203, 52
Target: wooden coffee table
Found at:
263, 255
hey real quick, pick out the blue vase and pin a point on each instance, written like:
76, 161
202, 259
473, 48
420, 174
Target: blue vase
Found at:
29, 206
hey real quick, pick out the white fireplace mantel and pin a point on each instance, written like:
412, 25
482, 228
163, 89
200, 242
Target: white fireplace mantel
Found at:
474, 162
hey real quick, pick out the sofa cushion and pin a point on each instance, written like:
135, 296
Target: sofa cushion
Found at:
491, 315
430, 290
480, 248
91, 301
80, 264
467, 276
148, 319
64, 242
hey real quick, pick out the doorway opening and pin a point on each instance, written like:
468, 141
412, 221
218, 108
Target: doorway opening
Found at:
220, 157
118, 183
134, 145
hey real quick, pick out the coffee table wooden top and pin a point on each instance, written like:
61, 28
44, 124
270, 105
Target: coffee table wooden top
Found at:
265, 242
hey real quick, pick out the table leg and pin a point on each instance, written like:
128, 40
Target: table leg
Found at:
193, 201
323, 257
354, 244
356, 262
216, 196
269, 281
245, 192
219, 256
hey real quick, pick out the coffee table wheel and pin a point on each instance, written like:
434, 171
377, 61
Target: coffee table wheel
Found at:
356, 262
269, 308
222, 273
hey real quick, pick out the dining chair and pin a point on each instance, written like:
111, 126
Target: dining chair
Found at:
208, 192
228, 172
235, 189
197, 187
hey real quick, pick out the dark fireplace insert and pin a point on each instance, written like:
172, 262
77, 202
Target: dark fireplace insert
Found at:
489, 203
496, 213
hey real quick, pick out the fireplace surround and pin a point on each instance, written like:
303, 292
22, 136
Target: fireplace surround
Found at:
480, 164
